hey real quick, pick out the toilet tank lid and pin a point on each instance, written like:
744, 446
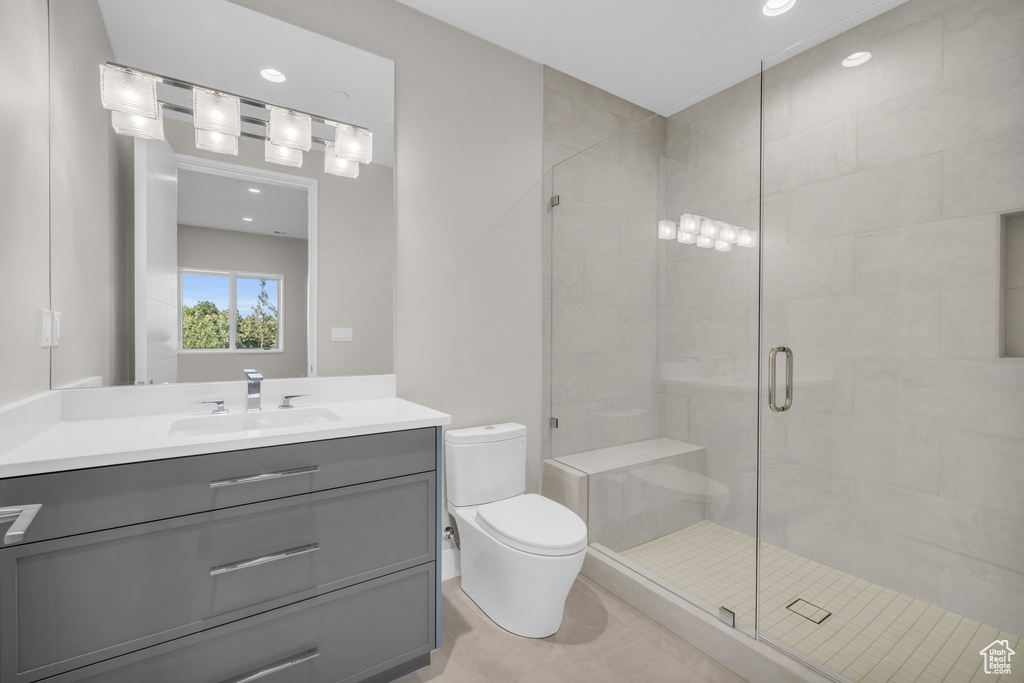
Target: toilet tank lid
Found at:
486, 434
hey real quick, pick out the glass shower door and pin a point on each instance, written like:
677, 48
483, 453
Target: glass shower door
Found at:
891, 509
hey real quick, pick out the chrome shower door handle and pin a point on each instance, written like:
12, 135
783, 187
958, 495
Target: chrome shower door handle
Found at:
772, 379
22, 515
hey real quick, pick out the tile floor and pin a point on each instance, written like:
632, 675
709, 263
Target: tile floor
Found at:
602, 640
874, 634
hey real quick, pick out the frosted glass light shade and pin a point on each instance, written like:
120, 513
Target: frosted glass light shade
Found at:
216, 111
666, 229
690, 223
290, 129
346, 168
705, 242
352, 143
139, 126
286, 156
686, 238
728, 233
746, 238
212, 141
709, 228
128, 91
722, 245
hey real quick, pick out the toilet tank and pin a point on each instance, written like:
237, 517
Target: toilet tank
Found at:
485, 464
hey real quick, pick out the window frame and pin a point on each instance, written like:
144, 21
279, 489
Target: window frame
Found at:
232, 276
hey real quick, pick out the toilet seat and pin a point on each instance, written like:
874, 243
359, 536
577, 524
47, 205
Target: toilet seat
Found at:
534, 524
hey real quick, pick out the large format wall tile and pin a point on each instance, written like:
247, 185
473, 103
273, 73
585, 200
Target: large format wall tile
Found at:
984, 177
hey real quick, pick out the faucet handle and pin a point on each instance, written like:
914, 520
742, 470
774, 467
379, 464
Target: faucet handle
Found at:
253, 375
219, 410
287, 402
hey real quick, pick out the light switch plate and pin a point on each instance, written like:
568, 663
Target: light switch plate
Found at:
341, 334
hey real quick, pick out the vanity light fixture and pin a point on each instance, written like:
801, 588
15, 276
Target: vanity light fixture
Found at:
856, 59
272, 75
728, 234
708, 228
128, 91
689, 223
666, 229
334, 165
686, 238
353, 143
217, 112
139, 126
212, 141
774, 8
285, 156
290, 129
723, 245
705, 242
746, 238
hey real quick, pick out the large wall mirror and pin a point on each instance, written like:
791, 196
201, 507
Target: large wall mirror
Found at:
187, 241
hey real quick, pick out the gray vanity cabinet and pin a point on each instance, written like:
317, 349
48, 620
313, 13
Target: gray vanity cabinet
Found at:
223, 593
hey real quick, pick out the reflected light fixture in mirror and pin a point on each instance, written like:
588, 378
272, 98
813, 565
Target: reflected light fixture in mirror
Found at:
212, 141
856, 59
254, 190
705, 242
774, 8
666, 229
137, 125
334, 165
290, 129
285, 156
273, 75
687, 238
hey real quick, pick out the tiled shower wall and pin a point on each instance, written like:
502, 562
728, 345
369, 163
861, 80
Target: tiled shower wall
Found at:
883, 190
604, 290
902, 461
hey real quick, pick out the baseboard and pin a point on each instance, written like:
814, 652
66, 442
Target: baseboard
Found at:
450, 567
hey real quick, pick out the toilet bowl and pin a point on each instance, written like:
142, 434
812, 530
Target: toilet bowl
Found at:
520, 552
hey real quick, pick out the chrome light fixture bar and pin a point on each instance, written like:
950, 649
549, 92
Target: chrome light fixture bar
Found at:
126, 90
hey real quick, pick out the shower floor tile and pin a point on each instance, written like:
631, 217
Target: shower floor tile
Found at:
874, 634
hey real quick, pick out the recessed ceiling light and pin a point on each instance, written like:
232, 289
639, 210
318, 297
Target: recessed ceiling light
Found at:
856, 59
247, 219
255, 190
773, 8
272, 75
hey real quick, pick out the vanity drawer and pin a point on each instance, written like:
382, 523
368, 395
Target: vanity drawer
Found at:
76, 601
348, 635
80, 501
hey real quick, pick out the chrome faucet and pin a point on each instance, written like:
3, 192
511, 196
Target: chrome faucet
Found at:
253, 393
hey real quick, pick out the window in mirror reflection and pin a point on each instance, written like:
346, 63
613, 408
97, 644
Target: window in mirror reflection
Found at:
228, 310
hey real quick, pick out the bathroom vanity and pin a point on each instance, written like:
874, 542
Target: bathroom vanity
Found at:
305, 549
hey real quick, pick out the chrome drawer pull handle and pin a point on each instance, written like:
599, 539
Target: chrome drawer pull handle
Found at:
257, 561
22, 516
264, 477
277, 666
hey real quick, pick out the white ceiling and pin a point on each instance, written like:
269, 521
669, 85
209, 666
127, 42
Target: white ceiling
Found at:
661, 54
213, 201
223, 46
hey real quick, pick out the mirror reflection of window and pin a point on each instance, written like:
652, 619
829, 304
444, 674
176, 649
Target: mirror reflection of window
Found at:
225, 311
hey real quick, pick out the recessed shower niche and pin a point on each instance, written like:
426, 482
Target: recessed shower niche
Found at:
1013, 286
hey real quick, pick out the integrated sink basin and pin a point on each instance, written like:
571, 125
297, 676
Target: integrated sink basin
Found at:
207, 425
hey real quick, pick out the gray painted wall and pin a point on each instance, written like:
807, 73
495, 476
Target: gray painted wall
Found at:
231, 250
24, 219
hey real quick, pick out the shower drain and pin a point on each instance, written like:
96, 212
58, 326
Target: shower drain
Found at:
808, 610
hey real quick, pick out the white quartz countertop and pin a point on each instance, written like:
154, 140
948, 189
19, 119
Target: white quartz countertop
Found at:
69, 444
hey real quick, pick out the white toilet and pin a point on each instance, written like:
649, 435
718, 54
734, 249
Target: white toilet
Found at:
520, 552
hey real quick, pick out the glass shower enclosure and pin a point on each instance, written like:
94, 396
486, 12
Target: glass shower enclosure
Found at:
857, 234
